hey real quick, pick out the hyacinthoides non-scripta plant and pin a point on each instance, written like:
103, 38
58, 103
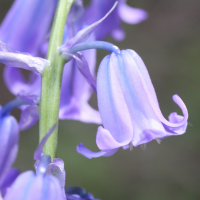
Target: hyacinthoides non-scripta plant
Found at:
61, 57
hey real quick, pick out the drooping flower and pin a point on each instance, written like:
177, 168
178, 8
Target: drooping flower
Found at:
112, 26
129, 107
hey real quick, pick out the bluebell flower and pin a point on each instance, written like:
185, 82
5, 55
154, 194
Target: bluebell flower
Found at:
129, 107
112, 26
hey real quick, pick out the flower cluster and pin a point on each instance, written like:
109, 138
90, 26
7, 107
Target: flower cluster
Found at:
128, 106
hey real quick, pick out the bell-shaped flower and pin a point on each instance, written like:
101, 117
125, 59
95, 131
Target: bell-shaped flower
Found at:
129, 107
112, 26
25, 29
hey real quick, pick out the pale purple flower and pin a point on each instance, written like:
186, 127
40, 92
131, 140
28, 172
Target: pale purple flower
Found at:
129, 107
112, 26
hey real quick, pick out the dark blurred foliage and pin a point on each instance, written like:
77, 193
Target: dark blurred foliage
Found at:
169, 43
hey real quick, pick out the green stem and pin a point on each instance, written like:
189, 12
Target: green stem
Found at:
51, 79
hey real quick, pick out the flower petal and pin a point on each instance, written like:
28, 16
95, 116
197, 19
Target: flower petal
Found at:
29, 116
36, 17
151, 95
21, 184
111, 102
105, 140
84, 69
89, 154
76, 92
17, 84
175, 118
24, 61
10, 178
131, 15
56, 168
9, 136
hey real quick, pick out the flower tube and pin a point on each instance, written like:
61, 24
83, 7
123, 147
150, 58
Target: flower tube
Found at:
129, 107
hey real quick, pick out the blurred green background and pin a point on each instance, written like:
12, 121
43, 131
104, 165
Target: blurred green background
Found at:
169, 43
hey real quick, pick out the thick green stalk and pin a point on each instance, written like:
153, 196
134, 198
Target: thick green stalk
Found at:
51, 79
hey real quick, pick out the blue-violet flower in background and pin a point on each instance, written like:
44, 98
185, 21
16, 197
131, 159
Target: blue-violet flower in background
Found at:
75, 92
25, 29
31, 37
129, 107
9, 137
112, 26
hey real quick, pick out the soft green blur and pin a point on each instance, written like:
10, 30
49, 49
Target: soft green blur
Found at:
169, 43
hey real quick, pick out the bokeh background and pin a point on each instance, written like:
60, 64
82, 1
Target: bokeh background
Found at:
169, 43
